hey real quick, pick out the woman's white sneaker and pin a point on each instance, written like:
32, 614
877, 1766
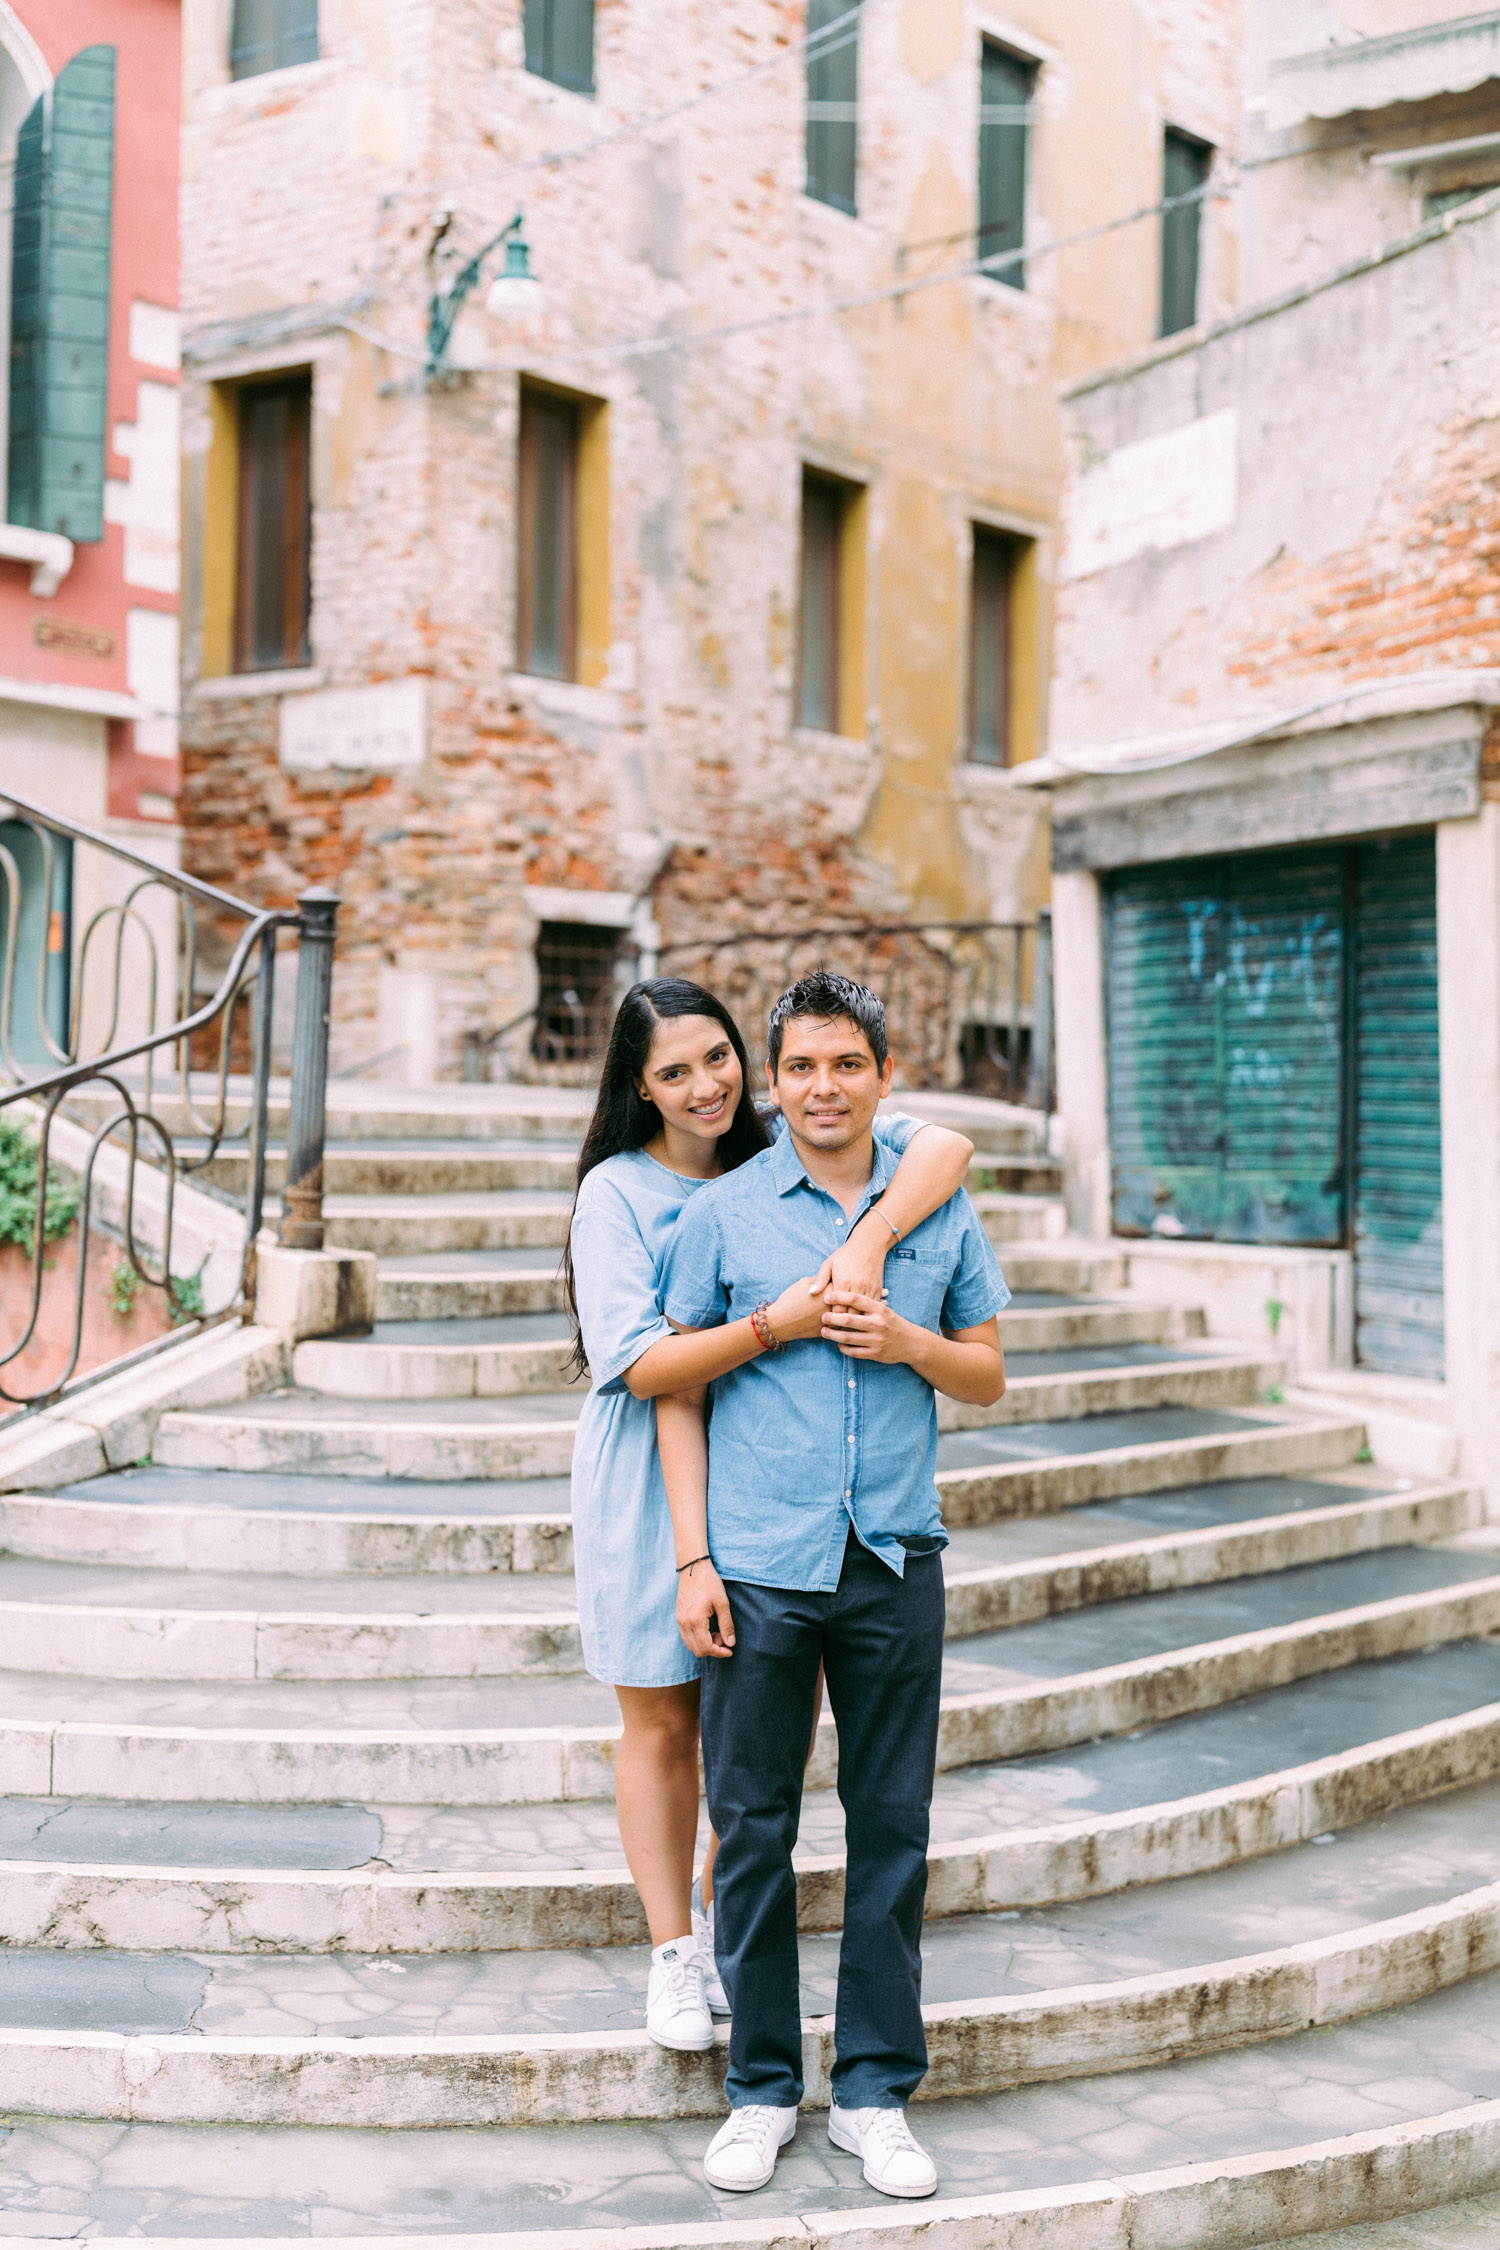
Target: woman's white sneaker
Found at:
894, 2162
676, 2010
703, 1931
743, 2152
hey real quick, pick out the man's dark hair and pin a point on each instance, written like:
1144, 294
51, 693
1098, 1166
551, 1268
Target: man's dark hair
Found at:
830, 997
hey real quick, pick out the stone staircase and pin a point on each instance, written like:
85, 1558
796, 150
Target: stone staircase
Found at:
308, 1827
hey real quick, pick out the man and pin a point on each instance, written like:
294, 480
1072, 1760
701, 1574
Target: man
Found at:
819, 1543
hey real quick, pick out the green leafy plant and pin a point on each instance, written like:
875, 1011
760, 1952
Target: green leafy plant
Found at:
1364, 1454
18, 1190
122, 1289
185, 1297
1274, 1310
1275, 1395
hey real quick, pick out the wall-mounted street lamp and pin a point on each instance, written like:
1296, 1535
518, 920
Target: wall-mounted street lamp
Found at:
515, 290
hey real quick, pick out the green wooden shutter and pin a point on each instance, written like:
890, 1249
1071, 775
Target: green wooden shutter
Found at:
1226, 983
60, 301
1398, 1196
1006, 85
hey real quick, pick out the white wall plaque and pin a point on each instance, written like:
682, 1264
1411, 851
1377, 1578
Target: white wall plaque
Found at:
1159, 492
374, 728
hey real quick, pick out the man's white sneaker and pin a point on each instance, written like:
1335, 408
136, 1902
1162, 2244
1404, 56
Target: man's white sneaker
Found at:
894, 2162
703, 1931
676, 2011
743, 2152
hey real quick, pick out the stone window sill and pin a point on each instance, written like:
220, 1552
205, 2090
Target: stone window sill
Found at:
235, 686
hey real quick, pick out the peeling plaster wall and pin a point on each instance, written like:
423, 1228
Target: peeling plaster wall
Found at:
682, 778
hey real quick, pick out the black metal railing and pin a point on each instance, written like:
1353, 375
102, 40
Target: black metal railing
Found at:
968, 1004
127, 1066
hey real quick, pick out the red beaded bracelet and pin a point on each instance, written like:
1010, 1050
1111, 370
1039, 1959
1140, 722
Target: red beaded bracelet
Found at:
765, 1334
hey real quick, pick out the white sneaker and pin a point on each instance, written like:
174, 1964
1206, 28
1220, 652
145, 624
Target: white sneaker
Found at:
676, 2011
894, 2162
703, 1931
743, 2152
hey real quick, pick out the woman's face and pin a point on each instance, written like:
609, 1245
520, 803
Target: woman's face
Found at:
693, 1076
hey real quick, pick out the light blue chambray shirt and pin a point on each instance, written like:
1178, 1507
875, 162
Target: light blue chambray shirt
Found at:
803, 1441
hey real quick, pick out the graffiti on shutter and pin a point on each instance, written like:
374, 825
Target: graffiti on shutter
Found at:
60, 254
1226, 1045
1398, 1194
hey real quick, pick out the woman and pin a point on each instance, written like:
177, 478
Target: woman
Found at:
673, 1112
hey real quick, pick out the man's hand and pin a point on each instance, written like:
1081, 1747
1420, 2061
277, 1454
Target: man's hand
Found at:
864, 1327
703, 1617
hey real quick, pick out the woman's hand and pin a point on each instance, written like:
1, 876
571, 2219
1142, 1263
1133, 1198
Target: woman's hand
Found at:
703, 1617
857, 1267
797, 1313
864, 1327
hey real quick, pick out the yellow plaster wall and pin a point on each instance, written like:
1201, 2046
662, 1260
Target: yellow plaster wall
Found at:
592, 500
219, 531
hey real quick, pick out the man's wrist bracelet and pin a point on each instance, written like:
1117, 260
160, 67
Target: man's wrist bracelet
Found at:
896, 1231
682, 1566
765, 1334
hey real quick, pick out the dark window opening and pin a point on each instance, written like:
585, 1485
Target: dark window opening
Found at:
1006, 85
819, 639
547, 576
832, 103
985, 1060
1185, 169
560, 42
576, 978
272, 35
273, 576
992, 645
1440, 200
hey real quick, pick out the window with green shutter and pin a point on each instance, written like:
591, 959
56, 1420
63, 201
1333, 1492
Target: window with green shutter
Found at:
833, 103
1007, 84
59, 301
560, 42
272, 35
1186, 164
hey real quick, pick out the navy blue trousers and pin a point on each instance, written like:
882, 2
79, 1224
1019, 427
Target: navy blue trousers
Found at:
879, 1639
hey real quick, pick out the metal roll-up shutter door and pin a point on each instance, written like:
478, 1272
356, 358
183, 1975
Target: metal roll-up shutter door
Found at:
1398, 1192
1226, 1003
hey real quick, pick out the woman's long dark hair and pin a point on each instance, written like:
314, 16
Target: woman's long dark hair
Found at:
621, 1120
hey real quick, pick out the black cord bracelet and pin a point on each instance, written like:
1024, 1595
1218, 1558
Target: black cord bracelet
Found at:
682, 1566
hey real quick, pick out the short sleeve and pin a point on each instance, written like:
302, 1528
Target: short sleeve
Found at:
692, 1283
897, 1130
976, 1288
614, 1278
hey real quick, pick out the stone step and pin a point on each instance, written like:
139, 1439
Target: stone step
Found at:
379, 1429
364, 1113
496, 2040
410, 1168
1219, 2151
1014, 1175
1021, 1218
94, 1621
1210, 1790
393, 1225
468, 1285
1035, 1687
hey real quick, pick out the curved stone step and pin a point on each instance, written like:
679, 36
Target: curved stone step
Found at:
467, 1285
163, 2044
396, 1879
1008, 1218
518, 1740
411, 1167
92, 1621
390, 1225
1215, 2152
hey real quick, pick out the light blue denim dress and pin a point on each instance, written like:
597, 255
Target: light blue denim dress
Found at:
623, 1554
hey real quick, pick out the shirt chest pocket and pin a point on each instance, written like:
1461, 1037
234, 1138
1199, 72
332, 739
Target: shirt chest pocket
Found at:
917, 1281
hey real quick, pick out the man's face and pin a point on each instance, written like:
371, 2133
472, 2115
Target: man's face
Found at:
827, 1081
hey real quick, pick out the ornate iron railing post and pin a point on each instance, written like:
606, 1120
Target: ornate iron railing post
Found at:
302, 1198
1041, 1014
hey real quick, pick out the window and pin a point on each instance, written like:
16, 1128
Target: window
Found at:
1185, 168
547, 589
560, 42
272, 35
1006, 85
576, 989
831, 606
832, 103
1440, 200
992, 624
273, 578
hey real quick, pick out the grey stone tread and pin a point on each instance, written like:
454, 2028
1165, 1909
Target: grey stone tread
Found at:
1205, 1750
464, 1263
313, 1706
285, 1492
326, 1406
446, 1593
1097, 1433
1411, 1860
1149, 1624
496, 1328
1095, 1359
1155, 1515
368, 1144
162, 2181
1473, 2224
455, 1202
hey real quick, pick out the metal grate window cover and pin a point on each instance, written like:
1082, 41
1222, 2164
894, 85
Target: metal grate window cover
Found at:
577, 965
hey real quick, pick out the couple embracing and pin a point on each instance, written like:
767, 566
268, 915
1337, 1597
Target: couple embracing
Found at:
817, 1276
